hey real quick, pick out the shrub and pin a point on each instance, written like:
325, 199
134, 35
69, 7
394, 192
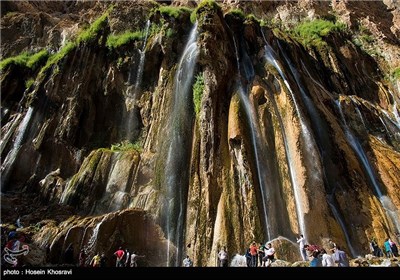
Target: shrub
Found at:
126, 146
198, 88
310, 33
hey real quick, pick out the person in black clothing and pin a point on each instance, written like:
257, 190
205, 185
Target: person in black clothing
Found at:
103, 260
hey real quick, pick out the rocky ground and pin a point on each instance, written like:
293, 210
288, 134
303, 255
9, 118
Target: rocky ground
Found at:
34, 216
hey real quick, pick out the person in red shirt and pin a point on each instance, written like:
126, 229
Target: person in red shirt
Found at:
254, 254
120, 257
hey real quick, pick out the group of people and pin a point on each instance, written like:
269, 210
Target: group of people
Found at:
319, 257
259, 255
126, 259
123, 258
390, 247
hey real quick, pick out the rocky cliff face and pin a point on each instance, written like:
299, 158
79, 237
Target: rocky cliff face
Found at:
225, 129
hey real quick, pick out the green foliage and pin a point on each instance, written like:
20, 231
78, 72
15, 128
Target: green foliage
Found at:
37, 58
174, 12
115, 41
252, 17
16, 60
155, 29
25, 59
91, 32
211, 4
170, 32
68, 47
126, 146
311, 33
29, 82
198, 88
237, 12
396, 73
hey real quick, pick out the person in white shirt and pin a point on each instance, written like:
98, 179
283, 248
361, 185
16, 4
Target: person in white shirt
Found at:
187, 262
223, 258
302, 242
327, 260
269, 254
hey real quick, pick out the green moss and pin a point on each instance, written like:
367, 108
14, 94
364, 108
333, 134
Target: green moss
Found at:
396, 73
252, 17
210, 4
126, 146
174, 12
68, 47
29, 83
17, 60
238, 13
198, 89
91, 33
311, 33
36, 59
25, 59
170, 32
115, 41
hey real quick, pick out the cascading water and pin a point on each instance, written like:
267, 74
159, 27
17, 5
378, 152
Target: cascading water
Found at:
269, 56
132, 91
10, 132
249, 110
391, 211
8, 163
179, 141
325, 151
139, 74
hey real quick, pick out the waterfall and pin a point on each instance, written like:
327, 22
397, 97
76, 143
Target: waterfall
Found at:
8, 163
269, 56
139, 73
179, 141
323, 143
133, 90
11, 127
239, 261
250, 114
386, 202
361, 117
91, 245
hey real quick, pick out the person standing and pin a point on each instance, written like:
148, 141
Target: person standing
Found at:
223, 258
120, 257
388, 250
127, 258
254, 254
327, 260
393, 248
134, 258
95, 262
261, 254
340, 257
302, 242
103, 260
